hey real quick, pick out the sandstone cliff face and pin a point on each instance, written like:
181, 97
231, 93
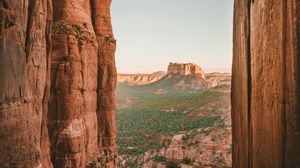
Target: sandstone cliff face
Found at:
80, 109
186, 76
265, 84
72, 107
82, 106
185, 69
24, 53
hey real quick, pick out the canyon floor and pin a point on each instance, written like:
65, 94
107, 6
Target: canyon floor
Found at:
162, 127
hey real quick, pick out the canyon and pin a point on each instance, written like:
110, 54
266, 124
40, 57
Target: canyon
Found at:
58, 77
173, 128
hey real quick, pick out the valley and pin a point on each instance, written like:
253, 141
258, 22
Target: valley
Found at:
163, 125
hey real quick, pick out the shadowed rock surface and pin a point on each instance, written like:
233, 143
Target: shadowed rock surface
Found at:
265, 84
83, 77
24, 44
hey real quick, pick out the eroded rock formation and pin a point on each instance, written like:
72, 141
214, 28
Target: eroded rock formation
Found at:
82, 106
80, 109
186, 76
265, 84
24, 53
185, 69
139, 79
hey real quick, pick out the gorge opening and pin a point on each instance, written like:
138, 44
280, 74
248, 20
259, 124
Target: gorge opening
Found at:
174, 74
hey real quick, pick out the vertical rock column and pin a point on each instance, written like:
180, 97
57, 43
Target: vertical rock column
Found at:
265, 86
240, 84
107, 77
24, 46
72, 119
82, 105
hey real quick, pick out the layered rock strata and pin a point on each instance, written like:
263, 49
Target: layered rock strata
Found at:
187, 76
185, 69
265, 84
139, 79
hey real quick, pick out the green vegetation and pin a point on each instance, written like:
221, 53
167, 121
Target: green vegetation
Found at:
187, 161
147, 116
171, 164
159, 159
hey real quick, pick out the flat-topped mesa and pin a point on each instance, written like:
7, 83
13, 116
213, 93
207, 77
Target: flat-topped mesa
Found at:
140, 79
185, 69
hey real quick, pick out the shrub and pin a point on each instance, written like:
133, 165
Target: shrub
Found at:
187, 161
171, 164
159, 159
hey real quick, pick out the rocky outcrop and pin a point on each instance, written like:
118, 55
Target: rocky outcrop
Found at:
24, 60
265, 84
72, 107
79, 109
139, 79
178, 77
185, 76
185, 69
82, 106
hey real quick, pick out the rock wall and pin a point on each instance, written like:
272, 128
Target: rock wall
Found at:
76, 102
82, 105
265, 84
185, 69
24, 57
72, 107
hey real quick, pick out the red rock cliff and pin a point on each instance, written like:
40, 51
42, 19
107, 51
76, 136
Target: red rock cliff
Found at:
24, 72
265, 84
82, 105
185, 69
79, 109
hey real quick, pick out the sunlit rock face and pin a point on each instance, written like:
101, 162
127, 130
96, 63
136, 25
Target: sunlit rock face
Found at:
185, 69
73, 41
265, 84
140, 79
186, 76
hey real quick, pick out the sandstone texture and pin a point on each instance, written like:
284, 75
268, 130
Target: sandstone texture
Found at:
24, 58
265, 84
186, 76
58, 74
185, 69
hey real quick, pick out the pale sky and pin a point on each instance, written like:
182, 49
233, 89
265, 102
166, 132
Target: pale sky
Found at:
152, 33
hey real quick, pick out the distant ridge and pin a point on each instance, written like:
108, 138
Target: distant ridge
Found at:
179, 76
